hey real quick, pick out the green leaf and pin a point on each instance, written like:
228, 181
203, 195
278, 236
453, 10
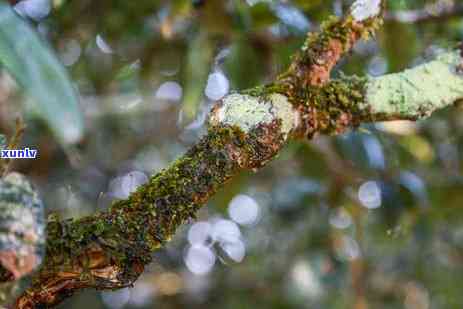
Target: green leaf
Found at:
38, 71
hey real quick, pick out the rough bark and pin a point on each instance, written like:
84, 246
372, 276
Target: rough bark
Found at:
109, 250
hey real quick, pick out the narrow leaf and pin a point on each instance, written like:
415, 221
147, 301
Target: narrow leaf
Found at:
38, 71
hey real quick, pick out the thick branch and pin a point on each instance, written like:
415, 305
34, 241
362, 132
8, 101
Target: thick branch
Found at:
109, 250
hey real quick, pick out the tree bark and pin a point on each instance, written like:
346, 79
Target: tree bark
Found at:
109, 250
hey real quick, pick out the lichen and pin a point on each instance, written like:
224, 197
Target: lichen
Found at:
364, 9
244, 111
417, 92
248, 112
284, 111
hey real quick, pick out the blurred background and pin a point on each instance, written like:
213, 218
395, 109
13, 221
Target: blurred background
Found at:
370, 219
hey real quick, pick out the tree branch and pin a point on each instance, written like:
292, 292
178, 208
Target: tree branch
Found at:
110, 249
409, 95
321, 51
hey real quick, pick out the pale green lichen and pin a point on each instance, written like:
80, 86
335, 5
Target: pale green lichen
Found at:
247, 112
417, 92
364, 9
284, 110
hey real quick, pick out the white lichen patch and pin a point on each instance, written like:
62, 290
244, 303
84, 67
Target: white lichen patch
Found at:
364, 9
247, 112
419, 91
284, 111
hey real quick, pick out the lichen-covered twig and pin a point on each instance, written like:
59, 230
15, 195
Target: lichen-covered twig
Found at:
409, 95
417, 92
109, 250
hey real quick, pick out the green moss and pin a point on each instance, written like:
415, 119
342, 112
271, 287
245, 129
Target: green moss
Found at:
341, 30
334, 106
133, 228
265, 90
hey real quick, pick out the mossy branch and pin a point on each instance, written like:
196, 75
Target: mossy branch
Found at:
109, 250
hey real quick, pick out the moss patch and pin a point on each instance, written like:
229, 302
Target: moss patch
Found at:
322, 50
332, 108
109, 250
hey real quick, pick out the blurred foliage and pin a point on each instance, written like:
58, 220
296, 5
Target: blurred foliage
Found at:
40, 73
368, 219
200, 52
